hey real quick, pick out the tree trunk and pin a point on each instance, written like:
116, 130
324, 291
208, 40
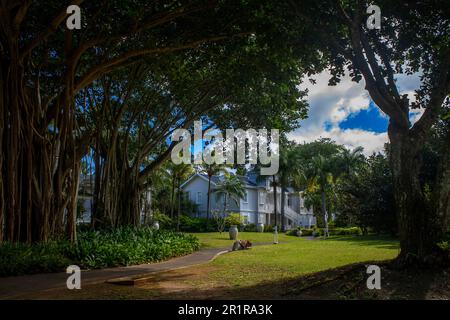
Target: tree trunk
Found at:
422, 219
224, 204
130, 204
283, 194
172, 198
274, 184
37, 163
208, 198
179, 206
324, 211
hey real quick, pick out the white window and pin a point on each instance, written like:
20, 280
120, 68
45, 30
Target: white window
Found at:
245, 198
261, 197
199, 197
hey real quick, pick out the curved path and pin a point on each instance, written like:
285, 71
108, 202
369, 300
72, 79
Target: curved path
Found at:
12, 287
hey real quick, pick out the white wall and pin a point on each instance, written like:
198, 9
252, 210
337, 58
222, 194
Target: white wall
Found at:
195, 186
252, 208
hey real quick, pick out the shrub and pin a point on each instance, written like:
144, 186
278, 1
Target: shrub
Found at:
333, 231
316, 232
268, 228
444, 245
165, 222
96, 249
20, 258
234, 219
251, 227
305, 232
346, 231
190, 224
292, 232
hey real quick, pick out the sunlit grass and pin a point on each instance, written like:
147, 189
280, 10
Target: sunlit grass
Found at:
222, 240
292, 257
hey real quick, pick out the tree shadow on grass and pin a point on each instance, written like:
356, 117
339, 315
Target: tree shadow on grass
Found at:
347, 282
384, 242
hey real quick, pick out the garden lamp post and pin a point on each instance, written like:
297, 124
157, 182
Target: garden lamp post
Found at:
275, 235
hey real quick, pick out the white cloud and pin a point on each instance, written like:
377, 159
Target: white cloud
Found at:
330, 105
351, 138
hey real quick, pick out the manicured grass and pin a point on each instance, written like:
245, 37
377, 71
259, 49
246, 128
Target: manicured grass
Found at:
217, 240
266, 271
295, 257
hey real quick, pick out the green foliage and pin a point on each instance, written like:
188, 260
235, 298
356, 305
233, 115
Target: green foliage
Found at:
165, 222
20, 258
367, 198
232, 188
307, 232
444, 245
234, 219
96, 249
292, 232
346, 231
251, 227
190, 224
332, 231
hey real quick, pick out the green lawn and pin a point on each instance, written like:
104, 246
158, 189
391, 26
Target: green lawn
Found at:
217, 240
292, 256
266, 271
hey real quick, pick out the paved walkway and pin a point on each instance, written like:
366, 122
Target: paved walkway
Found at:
11, 287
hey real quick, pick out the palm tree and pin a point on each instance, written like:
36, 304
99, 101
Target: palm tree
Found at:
178, 172
320, 176
230, 188
288, 172
157, 183
350, 160
211, 170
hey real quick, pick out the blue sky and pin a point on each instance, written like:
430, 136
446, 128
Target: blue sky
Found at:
346, 114
370, 119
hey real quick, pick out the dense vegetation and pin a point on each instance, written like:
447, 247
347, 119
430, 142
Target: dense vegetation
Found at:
104, 101
96, 249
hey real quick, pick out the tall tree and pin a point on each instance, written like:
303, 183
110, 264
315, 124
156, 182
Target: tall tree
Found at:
413, 38
231, 188
316, 166
366, 198
211, 170
48, 74
288, 172
45, 66
320, 176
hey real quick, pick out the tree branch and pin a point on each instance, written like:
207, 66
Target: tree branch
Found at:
54, 24
115, 63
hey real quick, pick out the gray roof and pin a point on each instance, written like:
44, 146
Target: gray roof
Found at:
250, 180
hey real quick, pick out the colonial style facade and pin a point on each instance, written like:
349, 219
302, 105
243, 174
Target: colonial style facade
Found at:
257, 206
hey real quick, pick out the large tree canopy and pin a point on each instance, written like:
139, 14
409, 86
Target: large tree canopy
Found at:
145, 67
413, 38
